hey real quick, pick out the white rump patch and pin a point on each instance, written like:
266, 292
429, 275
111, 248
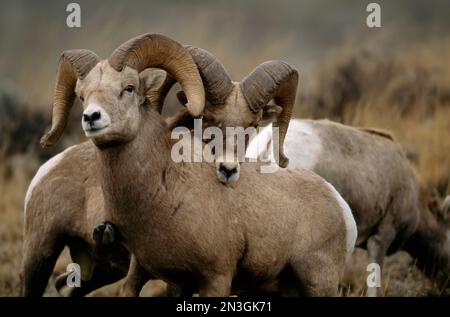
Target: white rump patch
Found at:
302, 145
40, 174
350, 224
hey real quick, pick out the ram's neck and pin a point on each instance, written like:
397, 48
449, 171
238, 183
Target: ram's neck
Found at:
132, 173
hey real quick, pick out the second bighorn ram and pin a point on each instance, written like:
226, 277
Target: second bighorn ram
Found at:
231, 104
292, 224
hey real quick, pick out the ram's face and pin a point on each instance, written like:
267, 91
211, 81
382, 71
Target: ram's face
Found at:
111, 102
236, 120
234, 113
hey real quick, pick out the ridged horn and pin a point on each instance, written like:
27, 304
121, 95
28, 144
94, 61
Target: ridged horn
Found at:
157, 96
154, 50
275, 80
217, 82
73, 64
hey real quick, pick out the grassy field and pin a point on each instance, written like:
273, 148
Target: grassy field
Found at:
393, 83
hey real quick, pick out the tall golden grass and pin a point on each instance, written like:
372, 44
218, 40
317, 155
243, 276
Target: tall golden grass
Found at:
11, 224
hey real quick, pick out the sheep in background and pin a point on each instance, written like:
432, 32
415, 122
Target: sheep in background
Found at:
371, 172
155, 202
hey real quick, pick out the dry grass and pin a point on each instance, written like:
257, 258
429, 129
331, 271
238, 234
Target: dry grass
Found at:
11, 204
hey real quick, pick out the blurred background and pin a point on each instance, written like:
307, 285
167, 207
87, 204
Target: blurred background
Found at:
396, 77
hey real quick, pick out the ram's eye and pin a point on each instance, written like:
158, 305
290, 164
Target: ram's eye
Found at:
129, 88
81, 98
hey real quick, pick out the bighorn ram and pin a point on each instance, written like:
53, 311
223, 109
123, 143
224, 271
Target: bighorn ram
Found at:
63, 203
373, 175
179, 222
243, 104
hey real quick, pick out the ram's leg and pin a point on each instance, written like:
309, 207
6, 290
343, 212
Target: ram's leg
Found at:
92, 276
106, 234
61, 281
80, 255
40, 253
218, 285
378, 245
100, 278
317, 273
135, 280
137, 277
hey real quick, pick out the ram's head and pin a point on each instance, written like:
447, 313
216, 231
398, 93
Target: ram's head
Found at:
246, 103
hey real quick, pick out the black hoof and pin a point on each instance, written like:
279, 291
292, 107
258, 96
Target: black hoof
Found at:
104, 234
284, 161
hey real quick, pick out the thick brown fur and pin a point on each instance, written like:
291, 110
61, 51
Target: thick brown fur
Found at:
187, 228
62, 210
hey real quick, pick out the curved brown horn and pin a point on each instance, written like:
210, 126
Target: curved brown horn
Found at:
157, 97
217, 83
154, 50
275, 80
73, 64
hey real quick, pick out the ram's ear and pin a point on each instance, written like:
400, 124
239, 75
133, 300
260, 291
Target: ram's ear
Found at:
152, 80
182, 97
271, 112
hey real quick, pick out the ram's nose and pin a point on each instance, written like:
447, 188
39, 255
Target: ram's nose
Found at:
228, 172
91, 117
